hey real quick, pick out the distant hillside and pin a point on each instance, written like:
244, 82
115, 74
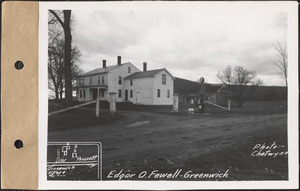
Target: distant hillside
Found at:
262, 93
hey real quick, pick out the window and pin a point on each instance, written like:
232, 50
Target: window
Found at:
84, 93
120, 93
80, 82
102, 93
131, 82
168, 94
80, 93
90, 81
99, 93
120, 80
129, 69
163, 79
158, 92
102, 79
98, 80
131, 93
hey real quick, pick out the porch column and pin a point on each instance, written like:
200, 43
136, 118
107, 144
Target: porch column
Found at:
112, 102
175, 103
97, 103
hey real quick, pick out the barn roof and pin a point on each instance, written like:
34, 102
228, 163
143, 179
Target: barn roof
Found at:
102, 70
146, 74
183, 86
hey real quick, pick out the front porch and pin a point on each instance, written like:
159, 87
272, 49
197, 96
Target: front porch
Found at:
92, 93
98, 92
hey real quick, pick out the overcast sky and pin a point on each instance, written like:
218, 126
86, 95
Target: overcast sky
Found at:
189, 44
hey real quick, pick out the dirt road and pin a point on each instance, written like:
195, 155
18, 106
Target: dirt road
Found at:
143, 138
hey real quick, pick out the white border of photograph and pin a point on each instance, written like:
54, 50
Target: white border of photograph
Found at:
232, 7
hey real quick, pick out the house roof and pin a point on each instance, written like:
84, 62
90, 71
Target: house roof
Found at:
146, 74
102, 70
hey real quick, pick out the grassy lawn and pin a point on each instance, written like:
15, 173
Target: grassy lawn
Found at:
254, 107
80, 118
258, 107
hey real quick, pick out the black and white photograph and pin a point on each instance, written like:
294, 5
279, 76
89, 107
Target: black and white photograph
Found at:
196, 93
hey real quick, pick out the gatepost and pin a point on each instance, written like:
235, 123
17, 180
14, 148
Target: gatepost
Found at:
175, 103
112, 102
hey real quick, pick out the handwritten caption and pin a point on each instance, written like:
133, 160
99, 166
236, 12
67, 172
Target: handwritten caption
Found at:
269, 150
156, 174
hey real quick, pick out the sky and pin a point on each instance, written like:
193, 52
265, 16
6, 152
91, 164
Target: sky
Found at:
189, 44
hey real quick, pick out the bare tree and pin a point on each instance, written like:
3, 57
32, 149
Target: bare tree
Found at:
56, 66
241, 83
56, 57
282, 63
65, 21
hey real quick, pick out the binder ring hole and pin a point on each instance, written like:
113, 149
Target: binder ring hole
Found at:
19, 65
18, 144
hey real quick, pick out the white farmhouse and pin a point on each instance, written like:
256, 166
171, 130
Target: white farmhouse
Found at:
153, 87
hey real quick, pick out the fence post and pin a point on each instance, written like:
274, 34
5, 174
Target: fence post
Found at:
175, 102
112, 102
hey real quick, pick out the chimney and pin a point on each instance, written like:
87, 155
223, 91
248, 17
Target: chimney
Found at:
145, 66
104, 63
119, 60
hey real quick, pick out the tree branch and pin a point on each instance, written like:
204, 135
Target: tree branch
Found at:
57, 17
